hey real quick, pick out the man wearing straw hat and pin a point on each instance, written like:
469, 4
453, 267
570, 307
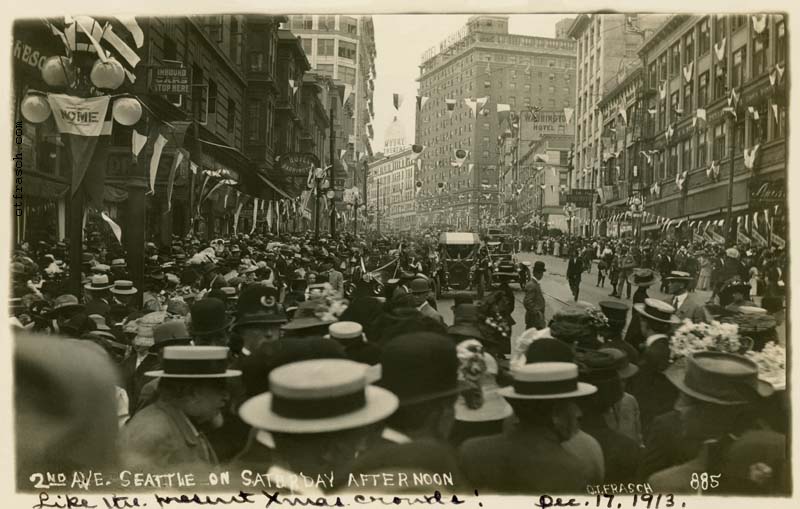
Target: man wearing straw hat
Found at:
315, 417
719, 396
530, 458
97, 295
192, 393
686, 305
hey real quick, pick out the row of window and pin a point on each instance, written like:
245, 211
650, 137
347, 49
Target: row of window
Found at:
712, 144
347, 24
669, 64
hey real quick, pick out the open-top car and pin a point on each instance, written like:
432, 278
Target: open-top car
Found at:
458, 253
504, 265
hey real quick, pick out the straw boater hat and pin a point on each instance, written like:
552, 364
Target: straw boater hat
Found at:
98, 282
720, 378
677, 275
123, 287
546, 381
643, 277
660, 311
194, 362
316, 396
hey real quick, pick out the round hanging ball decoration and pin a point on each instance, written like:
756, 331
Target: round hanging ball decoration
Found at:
58, 71
108, 75
127, 111
35, 108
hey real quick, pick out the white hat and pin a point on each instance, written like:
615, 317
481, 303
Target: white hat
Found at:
345, 330
546, 380
732, 252
318, 396
194, 362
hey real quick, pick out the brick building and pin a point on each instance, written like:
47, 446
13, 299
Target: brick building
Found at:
482, 60
606, 46
343, 48
684, 74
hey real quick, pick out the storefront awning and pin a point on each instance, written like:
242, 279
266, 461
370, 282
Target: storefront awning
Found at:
39, 187
273, 186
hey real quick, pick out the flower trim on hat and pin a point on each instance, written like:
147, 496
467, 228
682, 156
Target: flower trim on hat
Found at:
472, 367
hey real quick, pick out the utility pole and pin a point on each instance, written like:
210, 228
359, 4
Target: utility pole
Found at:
316, 206
729, 216
332, 204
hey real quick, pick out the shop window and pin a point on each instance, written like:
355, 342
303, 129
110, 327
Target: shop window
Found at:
702, 90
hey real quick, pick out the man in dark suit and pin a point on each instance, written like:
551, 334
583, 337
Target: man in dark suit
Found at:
687, 305
422, 370
141, 359
574, 272
528, 457
534, 299
97, 295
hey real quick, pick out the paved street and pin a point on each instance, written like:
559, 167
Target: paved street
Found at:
557, 292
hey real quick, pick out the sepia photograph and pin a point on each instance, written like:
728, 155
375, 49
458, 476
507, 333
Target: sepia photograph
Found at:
332, 258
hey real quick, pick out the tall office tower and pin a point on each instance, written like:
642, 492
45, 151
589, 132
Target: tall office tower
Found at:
607, 43
343, 47
461, 83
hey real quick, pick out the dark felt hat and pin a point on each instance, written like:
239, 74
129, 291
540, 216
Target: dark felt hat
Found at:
208, 317
420, 367
258, 304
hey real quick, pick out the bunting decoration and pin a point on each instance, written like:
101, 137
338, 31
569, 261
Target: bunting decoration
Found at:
503, 113
750, 157
753, 112
699, 114
158, 147
193, 167
688, 71
651, 111
712, 172
719, 50
138, 142
472, 105
115, 228
451, 106
482, 104
176, 161
294, 87
421, 100
669, 133
397, 101
624, 114
680, 179
662, 90
255, 215
568, 112
759, 23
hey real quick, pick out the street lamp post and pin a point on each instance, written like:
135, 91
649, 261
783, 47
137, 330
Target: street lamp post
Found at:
331, 175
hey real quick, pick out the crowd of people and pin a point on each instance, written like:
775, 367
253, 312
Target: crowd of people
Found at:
278, 354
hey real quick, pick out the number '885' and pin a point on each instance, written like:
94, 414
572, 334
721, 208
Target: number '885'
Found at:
704, 481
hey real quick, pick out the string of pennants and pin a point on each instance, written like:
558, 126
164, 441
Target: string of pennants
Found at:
478, 106
744, 221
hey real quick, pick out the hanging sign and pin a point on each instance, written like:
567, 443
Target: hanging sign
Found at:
170, 79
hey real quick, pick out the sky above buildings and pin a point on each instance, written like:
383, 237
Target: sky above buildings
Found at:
401, 40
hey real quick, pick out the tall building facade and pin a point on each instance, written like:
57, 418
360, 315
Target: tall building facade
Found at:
606, 46
392, 192
343, 48
481, 61
394, 138
702, 166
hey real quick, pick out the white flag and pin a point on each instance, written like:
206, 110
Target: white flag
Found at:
114, 226
255, 215
158, 146
568, 112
